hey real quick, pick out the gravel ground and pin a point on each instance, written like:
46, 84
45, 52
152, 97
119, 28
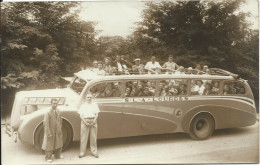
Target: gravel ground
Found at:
239, 145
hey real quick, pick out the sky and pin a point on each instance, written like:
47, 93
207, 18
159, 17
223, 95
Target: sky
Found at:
113, 18
118, 18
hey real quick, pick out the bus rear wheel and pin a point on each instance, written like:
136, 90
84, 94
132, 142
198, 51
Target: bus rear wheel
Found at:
202, 126
66, 136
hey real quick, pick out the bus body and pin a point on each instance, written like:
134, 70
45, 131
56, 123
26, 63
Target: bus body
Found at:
123, 115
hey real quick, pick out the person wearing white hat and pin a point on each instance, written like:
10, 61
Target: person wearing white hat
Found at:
138, 68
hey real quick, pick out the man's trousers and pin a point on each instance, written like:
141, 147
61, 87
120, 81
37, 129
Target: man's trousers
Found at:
86, 131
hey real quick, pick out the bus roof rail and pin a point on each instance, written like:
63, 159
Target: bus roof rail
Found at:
223, 72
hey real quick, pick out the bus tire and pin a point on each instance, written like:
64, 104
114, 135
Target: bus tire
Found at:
202, 126
66, 136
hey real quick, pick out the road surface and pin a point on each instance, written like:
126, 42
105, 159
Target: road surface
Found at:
240, 145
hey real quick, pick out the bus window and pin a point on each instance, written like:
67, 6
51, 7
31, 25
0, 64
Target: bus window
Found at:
143, 88
233, 87
205, 87
172, 87
78, 85
104, 90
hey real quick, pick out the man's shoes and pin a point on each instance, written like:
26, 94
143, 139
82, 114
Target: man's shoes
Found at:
81, 156
95, 155
49, 160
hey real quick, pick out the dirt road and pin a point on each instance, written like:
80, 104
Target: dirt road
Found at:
239, 145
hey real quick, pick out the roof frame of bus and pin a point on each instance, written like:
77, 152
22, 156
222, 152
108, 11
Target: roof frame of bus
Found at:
216, 74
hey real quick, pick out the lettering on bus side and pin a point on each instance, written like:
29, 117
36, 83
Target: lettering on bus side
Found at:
156, 99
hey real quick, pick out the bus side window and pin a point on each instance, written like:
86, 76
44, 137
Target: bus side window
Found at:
197, 87
142, 88
233, 88
205, 87
105, 90
172, 87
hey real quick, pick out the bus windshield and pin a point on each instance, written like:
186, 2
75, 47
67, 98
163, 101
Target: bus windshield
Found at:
77, 85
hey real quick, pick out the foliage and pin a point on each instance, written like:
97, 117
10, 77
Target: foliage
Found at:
212, 33
46, 38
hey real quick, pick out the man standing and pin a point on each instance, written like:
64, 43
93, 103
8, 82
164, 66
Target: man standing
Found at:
152, 66
52, 141
88, 113
170, 66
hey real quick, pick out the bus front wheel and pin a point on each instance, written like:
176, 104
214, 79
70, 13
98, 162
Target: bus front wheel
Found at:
202, 126
66, 136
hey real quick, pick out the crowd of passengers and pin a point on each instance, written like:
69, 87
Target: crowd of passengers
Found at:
122, 65
147, 88
166, 88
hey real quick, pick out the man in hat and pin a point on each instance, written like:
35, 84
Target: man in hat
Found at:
170, 66
52, 140
138, 68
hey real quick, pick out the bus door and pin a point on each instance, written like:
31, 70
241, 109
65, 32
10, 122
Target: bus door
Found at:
108, 96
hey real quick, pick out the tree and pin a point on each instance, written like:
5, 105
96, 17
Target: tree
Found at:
46, 38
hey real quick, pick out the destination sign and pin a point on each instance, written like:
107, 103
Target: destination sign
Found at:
154, 99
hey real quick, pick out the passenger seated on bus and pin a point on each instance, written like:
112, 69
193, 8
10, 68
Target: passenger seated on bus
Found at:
174, 91
215, 89
152, 65
138, 68
100, 70
161, 87
95, 66
198, 67
205, 67
208, 89
116, 90
242, 90
226, 90
108, 67
182, 89
193, 86
127, 91
181, 70
189, 71
135, 91
145, 92
107, 93
199, 87
234, 88
207, 72
166, 91
134, 70
149, 85
98, 90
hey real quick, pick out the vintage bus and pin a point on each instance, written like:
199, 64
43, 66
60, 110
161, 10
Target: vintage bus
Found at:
133, 105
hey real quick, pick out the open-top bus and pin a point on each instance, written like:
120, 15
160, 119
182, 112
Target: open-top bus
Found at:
133, 105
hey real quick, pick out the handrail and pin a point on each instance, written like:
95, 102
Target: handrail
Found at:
223, 72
